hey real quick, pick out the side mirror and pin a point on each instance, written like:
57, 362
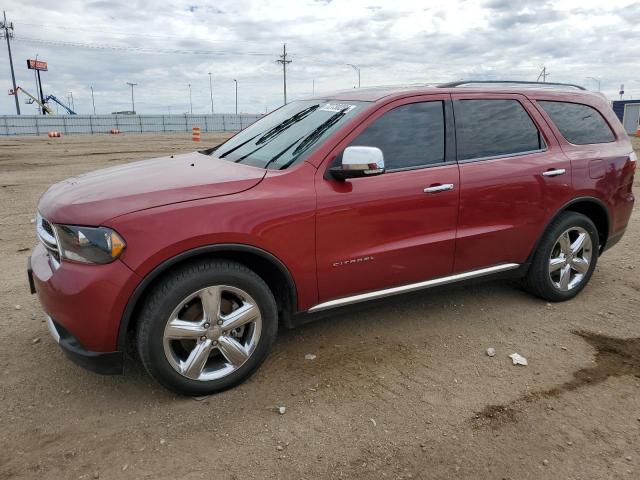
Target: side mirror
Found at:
359, 162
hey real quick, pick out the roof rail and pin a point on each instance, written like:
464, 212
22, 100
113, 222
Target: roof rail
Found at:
509, 82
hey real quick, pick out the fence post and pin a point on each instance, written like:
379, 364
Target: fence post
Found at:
206, 123
116, 121
37, 128
6, 125
140, 120
90, 124
186, 124
164, 129
224, 125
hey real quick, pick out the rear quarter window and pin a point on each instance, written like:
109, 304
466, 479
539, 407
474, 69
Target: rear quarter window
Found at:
579, 124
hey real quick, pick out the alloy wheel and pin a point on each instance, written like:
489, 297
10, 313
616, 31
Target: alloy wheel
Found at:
212, 332
570, 259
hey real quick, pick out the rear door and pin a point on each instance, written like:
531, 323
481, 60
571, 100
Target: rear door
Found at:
513, 177
396, 228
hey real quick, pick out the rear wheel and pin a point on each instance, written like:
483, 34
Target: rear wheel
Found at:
206, 327
565, 259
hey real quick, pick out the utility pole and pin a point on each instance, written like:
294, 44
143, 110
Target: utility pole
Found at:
236, 95
7, 32
211, 91
543, 75
73, 104
357, 69
93, 101
313, 87
283, 60
190, 102
133, 105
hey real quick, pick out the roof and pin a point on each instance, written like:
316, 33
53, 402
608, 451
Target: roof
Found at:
533, 89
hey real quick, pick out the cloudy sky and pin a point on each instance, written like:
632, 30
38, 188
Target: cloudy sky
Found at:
165, 45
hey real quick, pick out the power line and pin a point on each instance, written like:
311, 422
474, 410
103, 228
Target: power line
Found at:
40, 41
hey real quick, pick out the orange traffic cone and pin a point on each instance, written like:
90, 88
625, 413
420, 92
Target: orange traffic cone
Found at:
195, 134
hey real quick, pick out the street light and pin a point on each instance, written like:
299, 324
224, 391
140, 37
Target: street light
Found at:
357, 69
133, 104
236, 95
190, 102
597, 80
211, 91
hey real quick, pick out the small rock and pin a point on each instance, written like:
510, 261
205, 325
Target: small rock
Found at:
32, 220
569, 443
628, 459
282, 410
518, 359
548, 304
18, 307
279, 448
35, 340
162, 441
310, 356
125, 466
373, 421
545, 462
563, 348
96, 474
491, 351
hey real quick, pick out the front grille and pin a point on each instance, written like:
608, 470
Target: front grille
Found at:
47, 237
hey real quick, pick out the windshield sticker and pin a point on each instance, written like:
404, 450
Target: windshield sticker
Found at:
337, 107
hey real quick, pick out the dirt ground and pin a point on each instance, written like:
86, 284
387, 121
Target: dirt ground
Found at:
401, 389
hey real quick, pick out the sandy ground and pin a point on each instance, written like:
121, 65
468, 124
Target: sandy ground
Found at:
403, 389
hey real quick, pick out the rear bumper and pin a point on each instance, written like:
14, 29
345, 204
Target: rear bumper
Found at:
106, 363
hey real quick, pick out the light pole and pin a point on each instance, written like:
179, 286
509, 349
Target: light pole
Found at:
211, 91
190, 102
597, 80
133, 105
93, 101
236, 95
357, 69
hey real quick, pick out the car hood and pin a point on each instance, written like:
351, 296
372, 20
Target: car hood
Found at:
95, 197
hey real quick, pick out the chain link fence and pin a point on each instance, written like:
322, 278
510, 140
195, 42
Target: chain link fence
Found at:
95, 124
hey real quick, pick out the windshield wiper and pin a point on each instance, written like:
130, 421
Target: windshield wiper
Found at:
318, 132
281, 127
308, 140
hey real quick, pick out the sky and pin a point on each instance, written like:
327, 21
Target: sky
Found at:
164, 46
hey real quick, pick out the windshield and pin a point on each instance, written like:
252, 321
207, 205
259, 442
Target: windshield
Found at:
282, 138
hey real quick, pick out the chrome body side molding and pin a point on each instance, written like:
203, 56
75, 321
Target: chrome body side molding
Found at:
363, 297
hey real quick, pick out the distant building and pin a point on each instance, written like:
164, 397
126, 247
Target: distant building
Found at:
628, 111
124, 112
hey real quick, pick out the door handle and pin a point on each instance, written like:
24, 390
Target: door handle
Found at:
554, 173
439, 188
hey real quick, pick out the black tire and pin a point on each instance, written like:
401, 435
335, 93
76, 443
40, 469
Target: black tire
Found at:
170, 291
538, 280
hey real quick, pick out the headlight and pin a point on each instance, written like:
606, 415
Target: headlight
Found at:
89, 245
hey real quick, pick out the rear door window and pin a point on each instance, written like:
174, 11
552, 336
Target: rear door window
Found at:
579, 124
493, 128
409, 136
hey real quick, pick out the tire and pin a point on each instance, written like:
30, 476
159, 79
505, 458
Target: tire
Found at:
180, 334
553, 254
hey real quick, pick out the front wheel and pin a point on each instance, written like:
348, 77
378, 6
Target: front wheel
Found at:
565, 259
206, 327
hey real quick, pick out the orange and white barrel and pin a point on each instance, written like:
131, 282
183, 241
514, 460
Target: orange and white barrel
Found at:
195, 134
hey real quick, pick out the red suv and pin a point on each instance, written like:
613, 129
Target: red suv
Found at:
197, 258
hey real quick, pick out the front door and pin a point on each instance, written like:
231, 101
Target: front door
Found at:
397, 228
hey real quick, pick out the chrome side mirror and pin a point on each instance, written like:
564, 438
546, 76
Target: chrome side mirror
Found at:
359, 162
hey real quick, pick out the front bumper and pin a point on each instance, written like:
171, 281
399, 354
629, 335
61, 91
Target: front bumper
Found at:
85, 304
106, 363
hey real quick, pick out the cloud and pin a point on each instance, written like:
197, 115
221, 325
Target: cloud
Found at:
164, 46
